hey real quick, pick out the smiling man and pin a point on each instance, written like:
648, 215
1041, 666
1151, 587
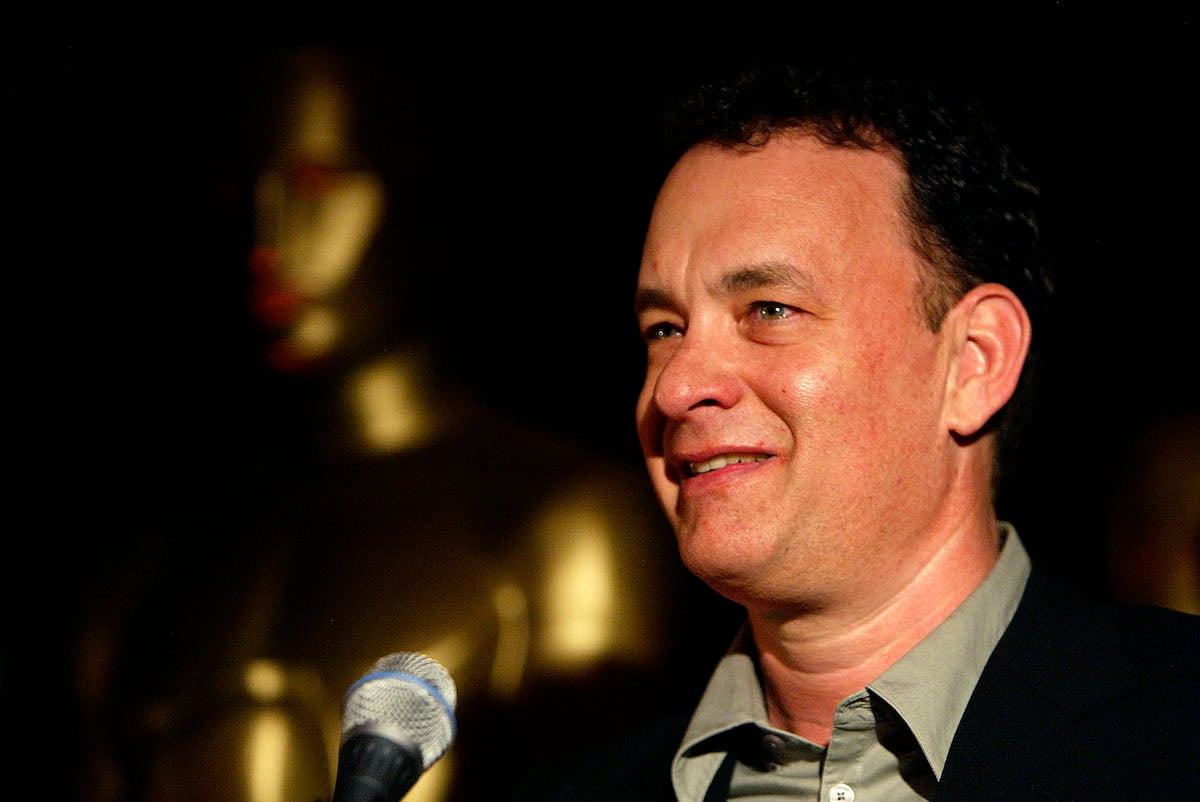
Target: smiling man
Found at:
839, 292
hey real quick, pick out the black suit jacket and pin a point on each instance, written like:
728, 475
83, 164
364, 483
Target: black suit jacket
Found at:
1081, 700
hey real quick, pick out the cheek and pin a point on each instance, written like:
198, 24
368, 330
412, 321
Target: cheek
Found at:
802, 397
665, 489
839, 403
649, 423
887, 394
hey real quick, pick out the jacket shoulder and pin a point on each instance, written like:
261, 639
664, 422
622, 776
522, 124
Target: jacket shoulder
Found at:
1082, 698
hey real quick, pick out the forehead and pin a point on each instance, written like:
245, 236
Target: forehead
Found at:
793, 173
793, 200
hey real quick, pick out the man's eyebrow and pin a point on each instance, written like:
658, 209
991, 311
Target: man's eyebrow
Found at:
738, 279
766, 274
651, 298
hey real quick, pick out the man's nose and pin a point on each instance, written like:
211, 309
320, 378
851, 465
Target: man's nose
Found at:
699, 373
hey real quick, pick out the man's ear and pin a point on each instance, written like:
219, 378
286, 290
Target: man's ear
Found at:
991, 332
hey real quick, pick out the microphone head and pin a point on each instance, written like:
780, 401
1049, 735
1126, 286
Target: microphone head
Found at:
404, 693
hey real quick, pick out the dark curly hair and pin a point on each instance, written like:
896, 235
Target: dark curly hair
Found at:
972, 205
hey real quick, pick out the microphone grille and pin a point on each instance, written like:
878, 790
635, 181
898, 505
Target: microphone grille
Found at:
409, 692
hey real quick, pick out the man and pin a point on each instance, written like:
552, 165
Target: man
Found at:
839, 293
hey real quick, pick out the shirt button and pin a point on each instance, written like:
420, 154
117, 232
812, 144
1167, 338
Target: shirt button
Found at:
774, 748
841, 793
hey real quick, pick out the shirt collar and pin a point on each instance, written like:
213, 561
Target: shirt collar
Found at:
732, 698
928, 687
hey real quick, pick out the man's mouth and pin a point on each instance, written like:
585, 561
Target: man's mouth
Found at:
721, 460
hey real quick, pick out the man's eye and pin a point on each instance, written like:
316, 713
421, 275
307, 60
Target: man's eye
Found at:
771, 310
661, 331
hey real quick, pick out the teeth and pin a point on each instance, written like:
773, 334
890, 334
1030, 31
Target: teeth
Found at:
722, 460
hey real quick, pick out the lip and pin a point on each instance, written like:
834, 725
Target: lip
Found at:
713, 462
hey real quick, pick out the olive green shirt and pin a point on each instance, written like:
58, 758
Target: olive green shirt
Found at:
889, 740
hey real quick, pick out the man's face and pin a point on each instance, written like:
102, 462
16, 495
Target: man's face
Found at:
791, 413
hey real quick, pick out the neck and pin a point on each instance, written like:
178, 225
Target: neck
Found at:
813, 659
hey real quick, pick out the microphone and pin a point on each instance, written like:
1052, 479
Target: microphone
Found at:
396, 722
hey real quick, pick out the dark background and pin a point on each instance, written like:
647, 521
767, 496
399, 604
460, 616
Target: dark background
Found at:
132, 151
